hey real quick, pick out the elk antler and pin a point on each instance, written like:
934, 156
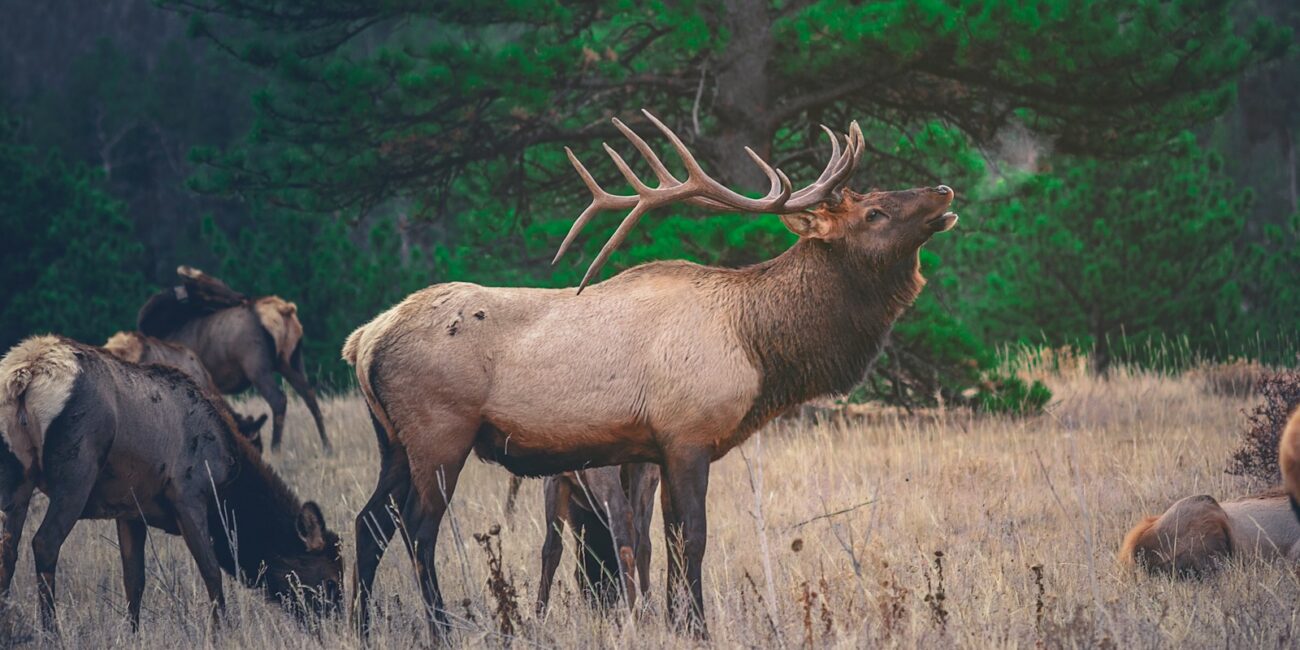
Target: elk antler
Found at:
699, 189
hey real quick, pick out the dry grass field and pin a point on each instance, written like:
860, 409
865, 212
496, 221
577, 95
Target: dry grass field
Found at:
820, 534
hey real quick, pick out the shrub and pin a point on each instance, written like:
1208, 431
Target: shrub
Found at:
1011, 395
1257, 455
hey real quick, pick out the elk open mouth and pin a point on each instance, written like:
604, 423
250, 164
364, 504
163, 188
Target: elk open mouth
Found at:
942, 222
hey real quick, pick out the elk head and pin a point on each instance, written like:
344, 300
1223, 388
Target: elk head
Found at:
881, 226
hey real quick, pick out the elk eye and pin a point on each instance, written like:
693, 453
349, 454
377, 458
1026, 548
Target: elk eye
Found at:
874, 215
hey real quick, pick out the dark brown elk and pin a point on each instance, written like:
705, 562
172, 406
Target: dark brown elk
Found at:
608, 510
145, 446
242, 341
139, 348
669, 362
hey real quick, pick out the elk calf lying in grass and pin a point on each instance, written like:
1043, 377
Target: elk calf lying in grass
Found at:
608, 509
1197, 534
144, 445
139, 348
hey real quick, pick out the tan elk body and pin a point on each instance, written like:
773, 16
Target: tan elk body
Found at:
670, 362
1197, 533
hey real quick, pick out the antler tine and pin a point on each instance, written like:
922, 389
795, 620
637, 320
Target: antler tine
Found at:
855, 134
600, 200
835, 154
615, 240
661, 172
779, 188
716, 193
838, 171
640, 188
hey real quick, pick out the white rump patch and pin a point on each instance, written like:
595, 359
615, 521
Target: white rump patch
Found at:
40, 372
126, 346
280, 318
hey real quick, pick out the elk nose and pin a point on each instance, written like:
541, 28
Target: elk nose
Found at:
942, 190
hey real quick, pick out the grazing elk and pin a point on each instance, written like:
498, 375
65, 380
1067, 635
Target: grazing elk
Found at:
1197, 534
144, 445
669, 362
608, 509
242, 341
139, 348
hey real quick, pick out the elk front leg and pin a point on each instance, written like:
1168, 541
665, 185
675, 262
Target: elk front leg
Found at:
192, 519
686, 485
556, 492
131, 536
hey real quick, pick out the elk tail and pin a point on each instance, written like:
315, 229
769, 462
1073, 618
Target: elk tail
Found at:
1288, 457
36, 380
359, 351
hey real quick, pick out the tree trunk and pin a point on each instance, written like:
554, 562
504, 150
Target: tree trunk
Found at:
1288, 152
741, 106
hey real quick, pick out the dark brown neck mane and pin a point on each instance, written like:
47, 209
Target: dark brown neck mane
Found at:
259, 510
814, 318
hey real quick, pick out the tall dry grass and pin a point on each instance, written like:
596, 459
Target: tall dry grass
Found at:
826, 534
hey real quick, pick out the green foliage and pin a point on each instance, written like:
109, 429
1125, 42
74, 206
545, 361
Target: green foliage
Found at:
1010, 395
1098, 251
454, 115
69, 262
352, 119
1272, 289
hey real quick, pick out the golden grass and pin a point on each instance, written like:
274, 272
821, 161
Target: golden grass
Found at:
997, 496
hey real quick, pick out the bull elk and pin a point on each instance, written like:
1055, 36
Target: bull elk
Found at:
145, 446
669, 362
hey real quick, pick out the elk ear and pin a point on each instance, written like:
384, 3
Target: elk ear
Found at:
311, 526
817, 223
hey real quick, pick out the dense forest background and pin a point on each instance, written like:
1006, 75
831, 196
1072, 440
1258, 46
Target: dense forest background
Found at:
1126, 171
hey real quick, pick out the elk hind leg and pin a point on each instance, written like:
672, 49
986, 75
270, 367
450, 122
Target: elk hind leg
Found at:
13, 506
375, 526
296, 373
437, 446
